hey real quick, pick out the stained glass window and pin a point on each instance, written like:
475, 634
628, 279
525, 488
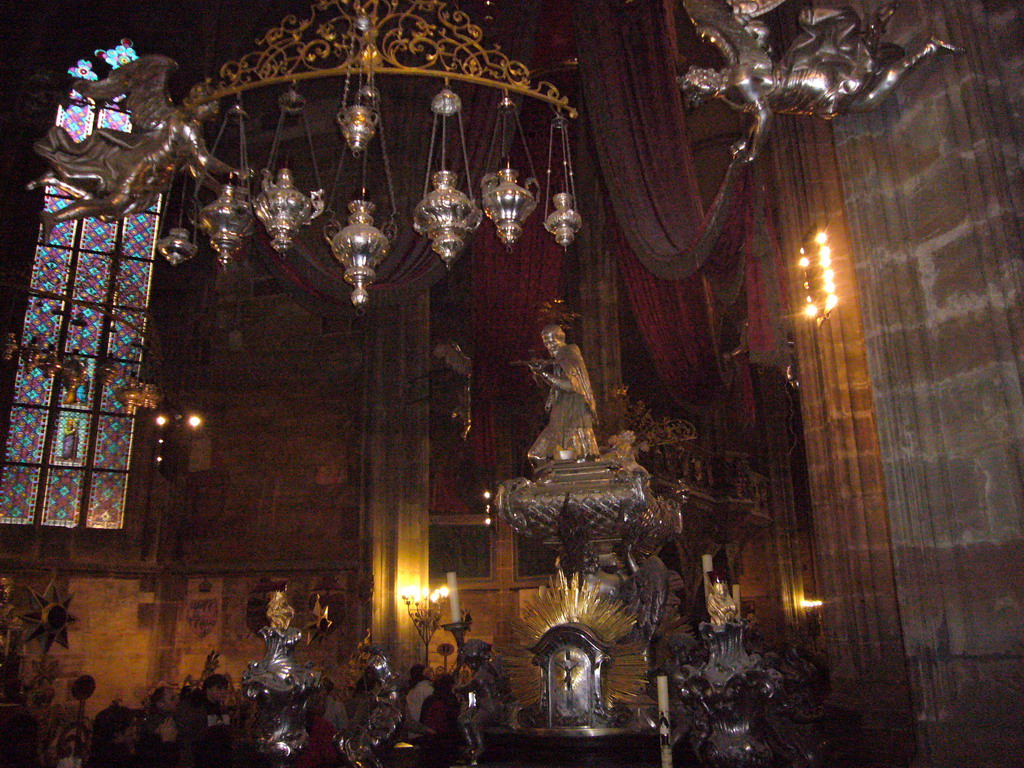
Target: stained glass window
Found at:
69, 437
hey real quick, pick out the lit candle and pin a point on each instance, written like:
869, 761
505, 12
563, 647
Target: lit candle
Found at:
453, 596
664, 728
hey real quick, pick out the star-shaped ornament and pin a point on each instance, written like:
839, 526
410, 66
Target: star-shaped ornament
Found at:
50, 618
319, 627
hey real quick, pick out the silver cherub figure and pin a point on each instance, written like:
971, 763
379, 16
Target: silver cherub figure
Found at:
835, 65
112, 174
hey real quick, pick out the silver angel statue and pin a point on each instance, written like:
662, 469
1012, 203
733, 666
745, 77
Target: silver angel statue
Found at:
487, 691
836, 65
362, 743
112, 174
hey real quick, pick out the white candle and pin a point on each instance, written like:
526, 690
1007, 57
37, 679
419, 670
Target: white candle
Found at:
736, 595
453, 596
664, 727
708, 562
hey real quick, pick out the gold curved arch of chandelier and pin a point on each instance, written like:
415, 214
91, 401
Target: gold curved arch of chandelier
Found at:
423, 38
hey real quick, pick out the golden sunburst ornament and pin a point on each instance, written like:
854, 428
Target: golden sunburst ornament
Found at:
573, 601
50, 617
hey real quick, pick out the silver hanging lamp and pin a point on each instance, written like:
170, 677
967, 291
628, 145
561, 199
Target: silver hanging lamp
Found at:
446, 215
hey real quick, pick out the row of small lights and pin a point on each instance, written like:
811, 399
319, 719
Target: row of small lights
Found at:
819, 279
194, 421
487, 512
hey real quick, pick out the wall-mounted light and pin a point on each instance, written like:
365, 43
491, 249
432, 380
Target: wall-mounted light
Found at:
195, 421
819, 281
161, 420
810, 604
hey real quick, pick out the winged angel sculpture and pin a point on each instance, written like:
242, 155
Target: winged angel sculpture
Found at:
835, 65
111, 173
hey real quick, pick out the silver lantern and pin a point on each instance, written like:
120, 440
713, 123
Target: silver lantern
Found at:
358, 121
507, 204
446, 216
360, 247
283, 209
564, 222
228, 221
176, 246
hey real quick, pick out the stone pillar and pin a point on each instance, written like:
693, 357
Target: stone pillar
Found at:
934, 195
396, 455
853, 552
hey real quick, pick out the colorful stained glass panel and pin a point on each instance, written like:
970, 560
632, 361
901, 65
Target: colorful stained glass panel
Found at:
139, 235
85, 331
76, 119
92, 277
25, 435
133, 278
106, 500
18, 494
126, 337
42, 322
113, 442
53, 266
62, 233
32, 386
98, 235
112, 118
63, 492
70, 439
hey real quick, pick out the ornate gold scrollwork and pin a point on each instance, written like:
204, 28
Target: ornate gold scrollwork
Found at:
407, 37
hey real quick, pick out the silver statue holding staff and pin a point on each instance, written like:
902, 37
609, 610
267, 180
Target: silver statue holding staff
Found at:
112, 174
835, 65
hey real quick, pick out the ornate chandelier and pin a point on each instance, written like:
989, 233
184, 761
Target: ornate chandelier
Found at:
356, 42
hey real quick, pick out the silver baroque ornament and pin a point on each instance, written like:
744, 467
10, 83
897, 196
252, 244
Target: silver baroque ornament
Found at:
507, 204
446, 216
360, 247
281, 688
283, 209
228, 221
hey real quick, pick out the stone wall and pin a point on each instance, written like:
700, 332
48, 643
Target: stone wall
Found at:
933, 195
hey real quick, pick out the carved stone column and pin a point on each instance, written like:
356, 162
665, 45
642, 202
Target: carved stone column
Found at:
934, 197
853, 552
396, 453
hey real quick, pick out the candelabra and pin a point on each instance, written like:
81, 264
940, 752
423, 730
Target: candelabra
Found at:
425, 609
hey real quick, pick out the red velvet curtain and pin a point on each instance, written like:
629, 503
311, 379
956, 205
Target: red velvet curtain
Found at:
509, 286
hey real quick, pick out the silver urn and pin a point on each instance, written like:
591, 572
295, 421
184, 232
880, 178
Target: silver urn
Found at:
228, 221
360, 247
176, 246
283, 209
447, 217
358, 123
507, 204
563, 222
